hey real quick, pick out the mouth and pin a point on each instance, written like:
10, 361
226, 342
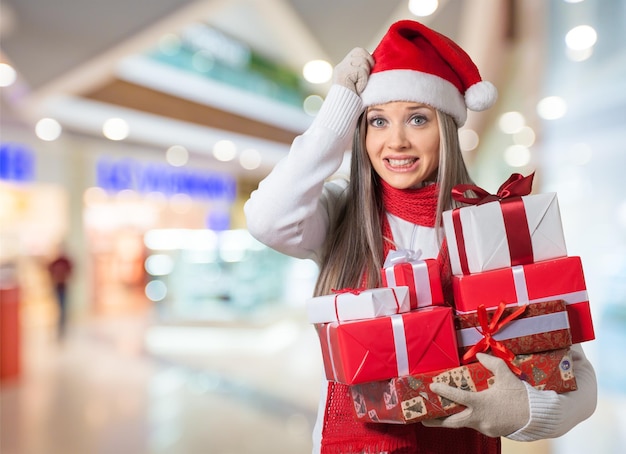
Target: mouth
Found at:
401, 164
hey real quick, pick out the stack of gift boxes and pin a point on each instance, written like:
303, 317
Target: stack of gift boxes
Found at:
517, 295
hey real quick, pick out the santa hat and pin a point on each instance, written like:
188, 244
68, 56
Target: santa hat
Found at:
415, 63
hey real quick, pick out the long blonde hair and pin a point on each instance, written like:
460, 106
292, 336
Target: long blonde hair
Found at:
354, 248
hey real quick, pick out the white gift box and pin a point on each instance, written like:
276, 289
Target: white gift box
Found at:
478, 240
350, 304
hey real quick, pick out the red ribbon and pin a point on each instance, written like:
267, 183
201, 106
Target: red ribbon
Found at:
354, 291
516, 185
510, 197
488, 329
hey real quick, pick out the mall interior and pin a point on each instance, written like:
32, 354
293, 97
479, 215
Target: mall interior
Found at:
132, 133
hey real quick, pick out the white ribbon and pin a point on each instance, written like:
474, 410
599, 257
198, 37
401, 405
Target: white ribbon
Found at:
569, 298
521, 291
518, 328
421, 281
399, 339
402, 256
519, 280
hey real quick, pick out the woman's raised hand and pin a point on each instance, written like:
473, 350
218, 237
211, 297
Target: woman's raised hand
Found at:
352, 72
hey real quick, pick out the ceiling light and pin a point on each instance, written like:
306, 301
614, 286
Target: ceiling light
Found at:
581, 37
552, 108
224, 150
115, 129
8, 76
317, 71
48, 129
423, 8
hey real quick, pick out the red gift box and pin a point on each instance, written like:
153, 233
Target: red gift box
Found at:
402, 268
561, 278
506, 229
408, 399
385, 347
509, 331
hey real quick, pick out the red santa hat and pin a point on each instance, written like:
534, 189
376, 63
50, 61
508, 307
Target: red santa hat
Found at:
415, 63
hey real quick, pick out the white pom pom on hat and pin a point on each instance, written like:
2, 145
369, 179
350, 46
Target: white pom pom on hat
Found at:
416, 63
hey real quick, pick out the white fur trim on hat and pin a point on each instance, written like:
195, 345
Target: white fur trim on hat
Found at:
415, 86
481, 96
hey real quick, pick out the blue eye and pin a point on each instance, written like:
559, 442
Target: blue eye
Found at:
377, 122
418, 120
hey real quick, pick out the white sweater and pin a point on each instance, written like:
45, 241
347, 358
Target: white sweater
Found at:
291, 212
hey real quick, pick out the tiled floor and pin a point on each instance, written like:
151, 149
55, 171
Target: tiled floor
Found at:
101, 391
121, 386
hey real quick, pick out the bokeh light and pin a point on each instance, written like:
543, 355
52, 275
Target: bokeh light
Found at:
511, 122
525, 137
156, 290
8, 76
552, 108
159, 265
115, 129
224, 150
581, 37
177, 155
317, 71
517, 156
250, 159
312, 104
423, 8
468, 139
48, 129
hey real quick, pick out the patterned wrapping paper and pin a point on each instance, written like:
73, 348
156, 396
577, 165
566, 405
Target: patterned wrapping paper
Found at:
421, 276
540, 327
561, 278
407, 400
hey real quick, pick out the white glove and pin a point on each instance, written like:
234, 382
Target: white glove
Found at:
352, 72
496, 411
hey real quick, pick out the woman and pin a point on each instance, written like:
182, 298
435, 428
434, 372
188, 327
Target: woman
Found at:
415, 89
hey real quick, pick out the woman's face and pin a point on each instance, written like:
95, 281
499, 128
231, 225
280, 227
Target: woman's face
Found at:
402, 143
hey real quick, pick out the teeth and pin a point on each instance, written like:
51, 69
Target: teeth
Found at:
401, 162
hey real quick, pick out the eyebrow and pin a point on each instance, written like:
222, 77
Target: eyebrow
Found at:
410, 109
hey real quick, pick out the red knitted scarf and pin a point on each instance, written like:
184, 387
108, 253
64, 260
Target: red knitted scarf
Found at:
341, 433
418, 206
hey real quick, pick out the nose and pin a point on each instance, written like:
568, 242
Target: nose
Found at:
397, 139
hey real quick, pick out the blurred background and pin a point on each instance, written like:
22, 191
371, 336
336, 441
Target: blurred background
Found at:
132, 132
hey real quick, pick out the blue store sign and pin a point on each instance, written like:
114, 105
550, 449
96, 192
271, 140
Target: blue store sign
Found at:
17, 162
117, 175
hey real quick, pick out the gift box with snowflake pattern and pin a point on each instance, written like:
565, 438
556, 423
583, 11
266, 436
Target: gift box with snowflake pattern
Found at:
408, 399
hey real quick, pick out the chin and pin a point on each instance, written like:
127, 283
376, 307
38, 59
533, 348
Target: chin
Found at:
405, 184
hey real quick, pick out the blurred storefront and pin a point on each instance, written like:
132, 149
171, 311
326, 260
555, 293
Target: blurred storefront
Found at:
151, 234
34, 222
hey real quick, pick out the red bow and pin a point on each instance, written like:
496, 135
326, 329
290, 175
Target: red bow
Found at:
488, 329
513, 211
517, 185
